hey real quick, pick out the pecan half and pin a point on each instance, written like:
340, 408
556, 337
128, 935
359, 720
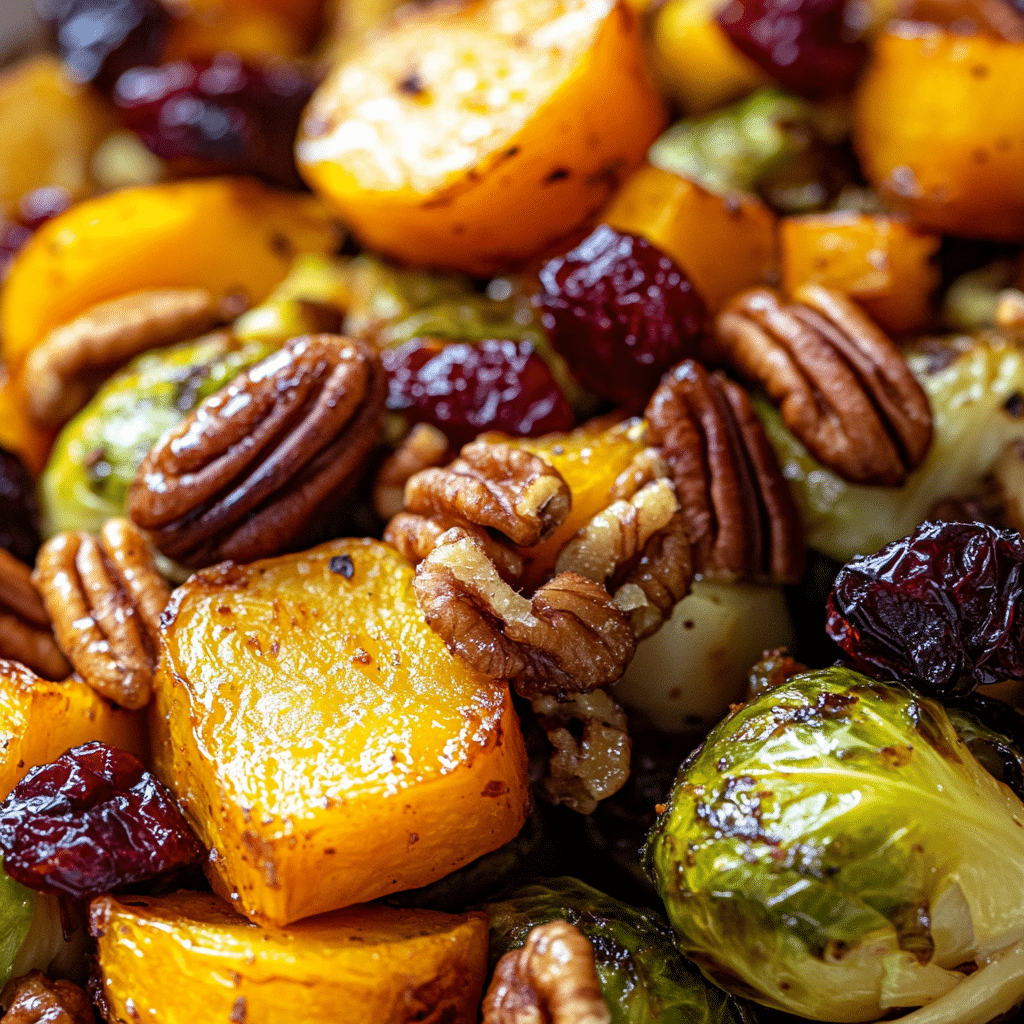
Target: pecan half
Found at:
583, 771
552, 979
25, 633
736, 504
105, 598
423, 447
841, 385
64, 370
498, 486
35, 999
415, 536
568, 639
246, 472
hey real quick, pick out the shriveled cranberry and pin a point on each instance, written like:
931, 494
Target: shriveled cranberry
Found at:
621, 313
940, 610
35, 208
100, 39
463, 389
90, 822
810, 46
218, 116
19, 510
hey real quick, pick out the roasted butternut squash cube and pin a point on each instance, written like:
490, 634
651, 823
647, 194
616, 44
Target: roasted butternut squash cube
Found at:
189, 957
881, 261
229, 235
321, 739
478, 136
40, 720
937, 128
722, 243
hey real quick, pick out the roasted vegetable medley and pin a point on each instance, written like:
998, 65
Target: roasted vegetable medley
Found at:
510, 512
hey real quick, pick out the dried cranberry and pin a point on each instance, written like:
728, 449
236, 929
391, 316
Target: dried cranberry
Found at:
19, 511
621, 313
101, 39
218, 116
463, 389
940, 610
807, 45
35, 208
92, 821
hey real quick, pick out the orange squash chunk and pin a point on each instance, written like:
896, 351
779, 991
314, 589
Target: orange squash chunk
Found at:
189, 957
321, 739
229, 235
40, 720
722, 243
881, 261
937, 127
477, 136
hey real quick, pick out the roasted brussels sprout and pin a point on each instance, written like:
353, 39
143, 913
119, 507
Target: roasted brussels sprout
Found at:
834, 850
974, 386
643, 977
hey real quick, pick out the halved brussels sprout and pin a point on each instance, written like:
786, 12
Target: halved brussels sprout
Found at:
643, 978
975, 386
834, 850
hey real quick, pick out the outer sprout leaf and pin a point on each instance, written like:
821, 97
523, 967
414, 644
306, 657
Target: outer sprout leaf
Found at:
17, 907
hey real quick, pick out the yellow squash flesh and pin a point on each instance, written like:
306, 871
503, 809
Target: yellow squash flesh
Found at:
321, 739
189, 958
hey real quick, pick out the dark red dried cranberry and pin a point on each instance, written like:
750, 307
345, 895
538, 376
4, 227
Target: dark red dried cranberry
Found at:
35, 208
91, 822
939, 610
808, 46
218, 116
621, 313
19, 510
100, 39
463, 389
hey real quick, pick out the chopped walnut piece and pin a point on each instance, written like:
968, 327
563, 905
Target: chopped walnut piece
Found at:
497, 486
423, 447
25, 633
737, 506
64, 370
415, 536
568, 639
648, 466
247, 472
106, 598
582, 772
842, 386
35, 999
552, 979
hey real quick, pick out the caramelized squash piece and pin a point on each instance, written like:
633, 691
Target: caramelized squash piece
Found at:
937, 127
40, 720
322, 740
189, 957
722, 243
476, 137
229, 235
883, 262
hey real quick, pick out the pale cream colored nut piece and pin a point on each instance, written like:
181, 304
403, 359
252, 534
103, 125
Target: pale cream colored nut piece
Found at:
496, 486
35, 999
105, 598
736, 504
423, 447
583, 772
647, 466
570, 638
1010, 311
25, 633
843, 388
246, 473
64, 370
552, 979
415, 536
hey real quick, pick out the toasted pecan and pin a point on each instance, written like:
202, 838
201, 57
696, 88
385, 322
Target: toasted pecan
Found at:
35, 999
423, 447
842, 386
105, 598
552, 978
247, 471
25, 633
